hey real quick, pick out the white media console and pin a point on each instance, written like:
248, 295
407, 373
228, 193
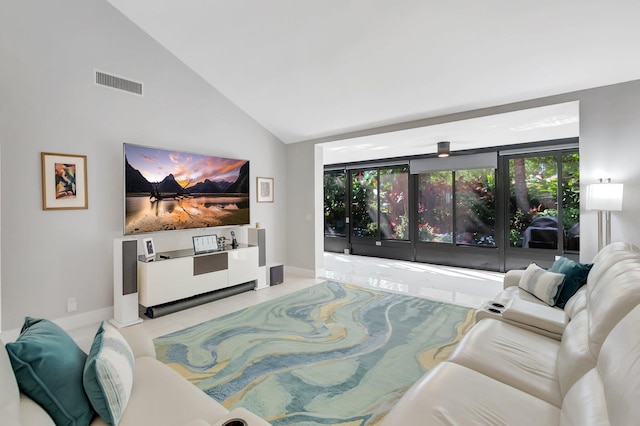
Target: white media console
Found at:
177, 275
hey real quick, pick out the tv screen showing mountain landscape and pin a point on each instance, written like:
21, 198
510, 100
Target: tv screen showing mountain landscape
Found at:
169, 190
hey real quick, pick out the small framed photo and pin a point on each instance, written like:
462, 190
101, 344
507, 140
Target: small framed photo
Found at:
264, 190
205, 244
64, 181
149, 249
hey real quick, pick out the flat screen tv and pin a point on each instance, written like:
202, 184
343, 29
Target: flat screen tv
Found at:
170, 190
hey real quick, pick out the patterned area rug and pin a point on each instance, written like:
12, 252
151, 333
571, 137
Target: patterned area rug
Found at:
331, 354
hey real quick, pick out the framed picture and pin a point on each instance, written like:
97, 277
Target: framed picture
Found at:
149, 249
264, 190
64, 181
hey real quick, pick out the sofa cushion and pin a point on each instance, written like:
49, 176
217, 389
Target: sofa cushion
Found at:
574, 357
611, 299
514, 356
48, 367
9, 392
160, 396
619, 369
544, 285
576, 304
32, 414
575, 277
455, 395
108, 374
585, 404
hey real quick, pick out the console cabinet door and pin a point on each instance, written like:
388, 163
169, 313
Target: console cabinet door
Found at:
243, 265
174, 279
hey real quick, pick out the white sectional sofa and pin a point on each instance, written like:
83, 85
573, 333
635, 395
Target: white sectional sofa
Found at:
159, 395
504, 374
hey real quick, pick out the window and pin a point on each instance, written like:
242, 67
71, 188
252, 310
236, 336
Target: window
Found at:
335, 186
475, 207
379, 203
536, 220
474, 214
394, 203
435, 219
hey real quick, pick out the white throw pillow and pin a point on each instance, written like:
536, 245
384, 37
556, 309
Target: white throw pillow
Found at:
542, 284
108, 374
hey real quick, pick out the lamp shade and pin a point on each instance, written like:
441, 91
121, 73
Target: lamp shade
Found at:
604, 196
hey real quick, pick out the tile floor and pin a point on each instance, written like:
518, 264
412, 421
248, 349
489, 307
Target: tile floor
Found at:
460, 286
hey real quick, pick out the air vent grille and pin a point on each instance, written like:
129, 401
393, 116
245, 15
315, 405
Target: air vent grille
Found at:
119, 83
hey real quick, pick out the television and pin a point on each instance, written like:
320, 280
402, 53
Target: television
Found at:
171, 190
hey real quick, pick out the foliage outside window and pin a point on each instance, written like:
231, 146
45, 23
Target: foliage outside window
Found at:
474, 210
380, 203
571, 201
475, 207
364, 202
533, 201
335, 186
435, 219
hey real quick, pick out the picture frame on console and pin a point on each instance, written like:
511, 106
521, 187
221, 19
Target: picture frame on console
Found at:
149, 248
264, 190
64, 181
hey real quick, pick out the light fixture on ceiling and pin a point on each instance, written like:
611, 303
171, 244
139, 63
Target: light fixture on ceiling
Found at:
443, 149
606, 197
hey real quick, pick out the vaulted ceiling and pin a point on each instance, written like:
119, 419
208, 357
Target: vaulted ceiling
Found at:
307, 69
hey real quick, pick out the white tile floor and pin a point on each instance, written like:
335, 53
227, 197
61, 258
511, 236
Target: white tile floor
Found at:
467, 287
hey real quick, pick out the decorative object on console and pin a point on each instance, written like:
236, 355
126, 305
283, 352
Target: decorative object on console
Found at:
544, 285
264, 190
234, 242
604, 197
64, 181
205, 244
149, 249
168, 190
332, 353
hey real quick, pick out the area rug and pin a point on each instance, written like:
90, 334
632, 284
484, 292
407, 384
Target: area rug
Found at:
331, 354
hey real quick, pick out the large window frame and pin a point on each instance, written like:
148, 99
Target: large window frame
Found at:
565, 242
497, 254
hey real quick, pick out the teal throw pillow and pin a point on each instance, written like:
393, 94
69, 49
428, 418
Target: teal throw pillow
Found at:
48, 367
575, 277
108, 374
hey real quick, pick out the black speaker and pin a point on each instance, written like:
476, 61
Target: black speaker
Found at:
125, 282
129, 267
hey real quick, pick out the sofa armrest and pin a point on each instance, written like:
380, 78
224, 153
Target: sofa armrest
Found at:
512, 278
542, 317
139, 340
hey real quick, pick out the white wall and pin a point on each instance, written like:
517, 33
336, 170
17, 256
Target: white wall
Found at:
609, 148
48, 102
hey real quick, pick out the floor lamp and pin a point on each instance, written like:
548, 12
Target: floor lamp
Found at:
605, 197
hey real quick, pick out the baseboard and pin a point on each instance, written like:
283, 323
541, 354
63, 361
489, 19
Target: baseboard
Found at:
68, 323
302, 272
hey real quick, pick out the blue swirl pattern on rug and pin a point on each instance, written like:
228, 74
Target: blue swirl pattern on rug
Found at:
331, 354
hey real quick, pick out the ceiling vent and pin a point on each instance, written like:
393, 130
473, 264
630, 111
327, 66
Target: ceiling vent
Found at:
119, 83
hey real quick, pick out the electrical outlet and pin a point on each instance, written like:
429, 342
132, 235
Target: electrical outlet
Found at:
72, 305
